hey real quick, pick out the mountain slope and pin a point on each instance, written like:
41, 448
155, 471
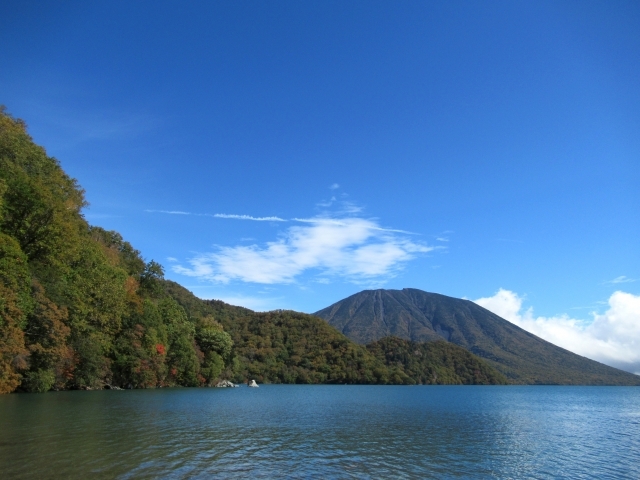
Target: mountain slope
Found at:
420, 316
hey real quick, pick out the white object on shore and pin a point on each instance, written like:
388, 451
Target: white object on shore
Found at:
253, 384
226, 383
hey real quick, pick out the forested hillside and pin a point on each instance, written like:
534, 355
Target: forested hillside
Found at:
284, 346
79, 307
290, 347
435, 363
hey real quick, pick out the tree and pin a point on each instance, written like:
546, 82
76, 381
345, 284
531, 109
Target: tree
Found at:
15, 303
51, 358
41, 204
182, 355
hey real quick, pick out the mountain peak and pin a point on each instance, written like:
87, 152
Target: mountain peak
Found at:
420, 316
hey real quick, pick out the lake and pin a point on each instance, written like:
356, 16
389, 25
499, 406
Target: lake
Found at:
324, 431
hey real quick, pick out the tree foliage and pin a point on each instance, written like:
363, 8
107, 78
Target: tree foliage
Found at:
15, 304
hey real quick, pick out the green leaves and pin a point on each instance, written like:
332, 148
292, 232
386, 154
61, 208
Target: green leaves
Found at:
211, 337
95, 292
39, 381
14, 277
151, 278
40, 205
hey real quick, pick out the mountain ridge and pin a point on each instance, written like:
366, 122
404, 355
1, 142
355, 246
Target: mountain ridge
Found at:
419, 316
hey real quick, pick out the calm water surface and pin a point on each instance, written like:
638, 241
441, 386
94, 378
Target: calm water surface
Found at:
324, 432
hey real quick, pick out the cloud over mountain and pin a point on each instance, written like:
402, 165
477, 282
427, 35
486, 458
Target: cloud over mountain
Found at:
612, 338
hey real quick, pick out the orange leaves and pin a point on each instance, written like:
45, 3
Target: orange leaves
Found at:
131, 286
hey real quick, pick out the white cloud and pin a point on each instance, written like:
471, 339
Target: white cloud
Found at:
622, 279
334, 186
170, 212
341, 222
249, 217
327, 203
220, 215
612, 338
355, 248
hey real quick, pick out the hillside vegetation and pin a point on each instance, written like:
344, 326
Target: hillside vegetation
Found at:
283, 346
435, 363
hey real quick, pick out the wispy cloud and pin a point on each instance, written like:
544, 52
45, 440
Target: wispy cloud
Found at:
334, 186
170, 212
621, 279
356, 249
220, 215
344, 222
349, 208
443, 236
249, 217
326, 203
612, 338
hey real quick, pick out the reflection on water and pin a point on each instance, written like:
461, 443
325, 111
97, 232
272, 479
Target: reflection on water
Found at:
324, 431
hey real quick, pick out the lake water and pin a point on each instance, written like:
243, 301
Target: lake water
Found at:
324, 431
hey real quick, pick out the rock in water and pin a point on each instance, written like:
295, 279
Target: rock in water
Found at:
225, 384
253, 384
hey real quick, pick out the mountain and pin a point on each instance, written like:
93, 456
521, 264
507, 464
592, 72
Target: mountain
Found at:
420, 316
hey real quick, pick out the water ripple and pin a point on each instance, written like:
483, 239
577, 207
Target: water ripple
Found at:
357, 432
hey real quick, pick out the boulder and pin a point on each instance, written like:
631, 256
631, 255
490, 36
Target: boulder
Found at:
112, 387
225, 384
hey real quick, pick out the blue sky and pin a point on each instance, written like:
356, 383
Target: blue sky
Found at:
456, 147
